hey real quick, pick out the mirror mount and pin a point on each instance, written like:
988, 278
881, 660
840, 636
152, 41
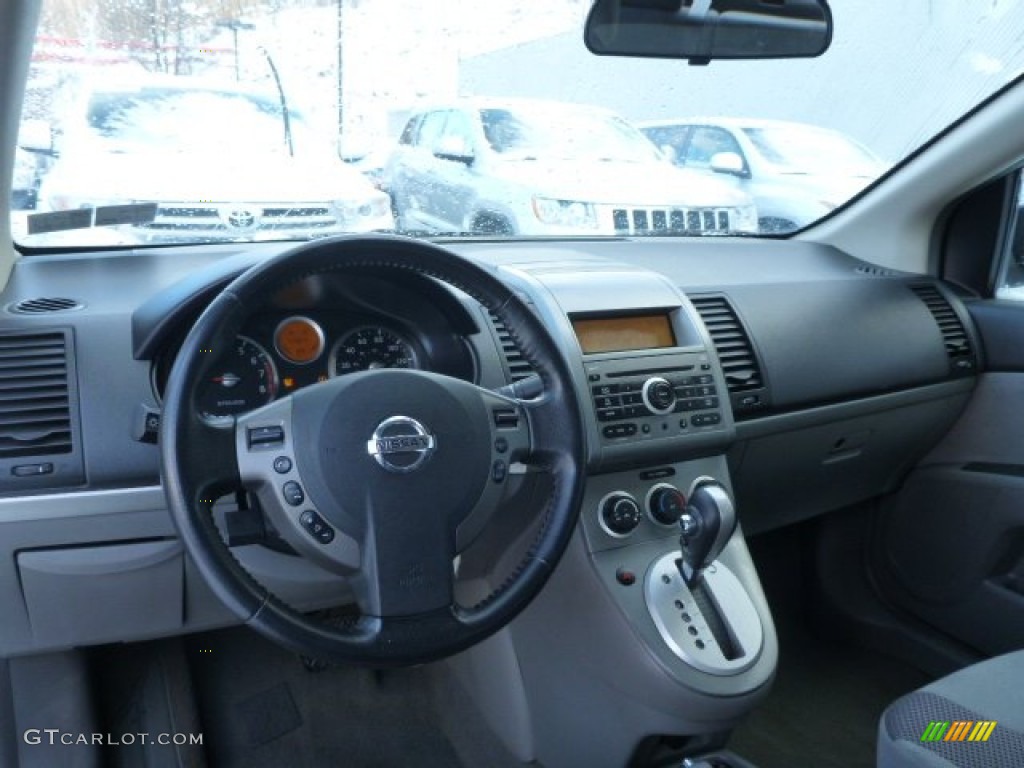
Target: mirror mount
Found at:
701, 30
455, 150
729, 163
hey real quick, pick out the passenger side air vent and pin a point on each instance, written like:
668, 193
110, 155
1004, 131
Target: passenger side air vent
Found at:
44, 305
962, 360
735, 352
515, 363
38, 407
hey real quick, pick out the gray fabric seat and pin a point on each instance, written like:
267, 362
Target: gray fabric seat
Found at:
987, 692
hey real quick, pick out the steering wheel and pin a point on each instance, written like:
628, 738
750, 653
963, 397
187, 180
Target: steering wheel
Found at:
383, 477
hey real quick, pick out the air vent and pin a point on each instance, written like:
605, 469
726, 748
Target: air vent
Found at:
41, 306
954, 335
35, 410
735, 352
517, 366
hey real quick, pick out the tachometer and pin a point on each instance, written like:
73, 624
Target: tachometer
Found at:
243, 379
369, 347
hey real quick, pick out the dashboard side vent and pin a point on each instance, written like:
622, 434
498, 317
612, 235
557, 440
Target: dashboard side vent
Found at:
958, 344
44, 305
515, 363
35, 404
736, 353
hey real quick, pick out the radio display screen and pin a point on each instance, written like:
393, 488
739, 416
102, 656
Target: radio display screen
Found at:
623, 333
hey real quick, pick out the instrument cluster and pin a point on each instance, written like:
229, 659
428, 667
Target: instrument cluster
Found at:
279, 353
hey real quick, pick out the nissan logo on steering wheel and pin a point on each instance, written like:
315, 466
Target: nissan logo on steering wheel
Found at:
401, 444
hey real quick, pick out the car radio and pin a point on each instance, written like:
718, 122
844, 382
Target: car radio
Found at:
653, 397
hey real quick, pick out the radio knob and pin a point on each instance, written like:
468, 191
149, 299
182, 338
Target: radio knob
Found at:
666, 504
620, 514
658, 395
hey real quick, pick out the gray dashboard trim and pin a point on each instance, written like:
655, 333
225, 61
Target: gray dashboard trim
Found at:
810, 417
82, 503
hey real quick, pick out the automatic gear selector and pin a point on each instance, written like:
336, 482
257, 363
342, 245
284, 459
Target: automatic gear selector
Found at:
706, 526
700, 608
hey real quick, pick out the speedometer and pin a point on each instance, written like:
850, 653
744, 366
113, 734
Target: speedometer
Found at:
370, 347
242, 380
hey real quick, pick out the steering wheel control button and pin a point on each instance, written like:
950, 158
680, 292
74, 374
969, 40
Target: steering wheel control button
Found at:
506, 418
265, 437
619, 514
316, 527
293, 493
665, 504
401, 444
499, 470
501, 445
282, 465
658, 395
625, 577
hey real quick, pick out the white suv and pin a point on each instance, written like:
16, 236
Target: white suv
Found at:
520, 167
795, 172
221, 163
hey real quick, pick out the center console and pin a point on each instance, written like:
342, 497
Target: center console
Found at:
656, 600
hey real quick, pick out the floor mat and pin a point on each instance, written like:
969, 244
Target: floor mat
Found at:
828, 695
261, 707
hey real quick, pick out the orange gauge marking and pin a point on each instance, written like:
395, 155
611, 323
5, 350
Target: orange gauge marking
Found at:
299, 340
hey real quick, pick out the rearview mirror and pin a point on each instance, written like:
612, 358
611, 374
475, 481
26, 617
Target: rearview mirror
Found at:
702, 30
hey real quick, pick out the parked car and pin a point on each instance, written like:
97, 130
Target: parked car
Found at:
795, 172
180, 143
536, 167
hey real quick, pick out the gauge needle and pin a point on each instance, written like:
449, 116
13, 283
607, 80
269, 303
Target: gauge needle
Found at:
226, 380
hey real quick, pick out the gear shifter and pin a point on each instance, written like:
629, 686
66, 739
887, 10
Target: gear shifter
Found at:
706, 526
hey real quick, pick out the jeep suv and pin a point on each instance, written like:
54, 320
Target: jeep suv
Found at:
548, 168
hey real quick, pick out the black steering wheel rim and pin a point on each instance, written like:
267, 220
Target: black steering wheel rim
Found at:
198, 466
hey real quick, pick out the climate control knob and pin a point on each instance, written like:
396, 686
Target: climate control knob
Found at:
619, 514
658, 395
665, 504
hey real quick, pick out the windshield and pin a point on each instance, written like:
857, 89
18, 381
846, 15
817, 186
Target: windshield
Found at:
155, 120
802, 149
212, 121
576, 135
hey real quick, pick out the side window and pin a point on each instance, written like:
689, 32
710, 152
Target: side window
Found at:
431, 128
459, 126
706, 142
670, 139
411, 129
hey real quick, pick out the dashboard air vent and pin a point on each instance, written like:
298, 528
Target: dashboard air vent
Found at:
518, 368
735, 352
44, 305
954, 335
35, 410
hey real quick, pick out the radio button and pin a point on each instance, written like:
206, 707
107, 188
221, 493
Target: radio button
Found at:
610, 414
613, 431
605, 389
633, 398
605, 401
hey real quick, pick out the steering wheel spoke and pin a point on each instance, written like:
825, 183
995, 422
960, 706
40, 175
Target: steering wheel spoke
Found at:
264, 442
